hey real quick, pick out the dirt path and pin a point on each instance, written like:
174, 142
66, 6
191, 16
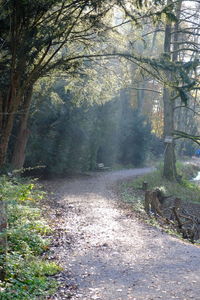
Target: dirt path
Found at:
110, 255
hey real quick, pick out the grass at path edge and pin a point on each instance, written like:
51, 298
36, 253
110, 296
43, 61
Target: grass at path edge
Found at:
132, 194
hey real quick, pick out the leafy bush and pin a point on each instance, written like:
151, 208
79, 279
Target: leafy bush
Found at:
26, 272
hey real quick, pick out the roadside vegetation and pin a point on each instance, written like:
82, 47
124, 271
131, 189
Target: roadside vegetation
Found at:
85, 86
26, 269
132, 193
184, 189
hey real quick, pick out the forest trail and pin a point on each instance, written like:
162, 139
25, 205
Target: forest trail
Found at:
108, 254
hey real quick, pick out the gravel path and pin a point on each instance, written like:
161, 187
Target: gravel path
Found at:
107, 254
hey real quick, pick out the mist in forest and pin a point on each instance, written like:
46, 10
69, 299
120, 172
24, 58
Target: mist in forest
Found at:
101, 96
66, 137
89, 86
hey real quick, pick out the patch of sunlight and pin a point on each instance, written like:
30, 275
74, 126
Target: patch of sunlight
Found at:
197, 177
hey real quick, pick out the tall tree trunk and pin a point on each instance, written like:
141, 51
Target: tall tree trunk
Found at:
169, 170
140, 96
8, 116
11, 98
3, 238
18, 157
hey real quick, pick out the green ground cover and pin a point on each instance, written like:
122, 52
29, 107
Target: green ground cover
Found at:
27, 272
131, 192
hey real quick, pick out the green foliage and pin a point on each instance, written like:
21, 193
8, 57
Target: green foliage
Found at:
62, 134
24, 239
180, 134
167, 14
135, 135
26, 272
131, 192
183, 83
187, 170
131, 197
186, 190
27, 278
67, 138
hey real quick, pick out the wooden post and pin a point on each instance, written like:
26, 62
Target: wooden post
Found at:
147, 207
144, 185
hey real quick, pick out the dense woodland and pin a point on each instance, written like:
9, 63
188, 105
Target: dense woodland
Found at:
88, 82
60, 68
78, 138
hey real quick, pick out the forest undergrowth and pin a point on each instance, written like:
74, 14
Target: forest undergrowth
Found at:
27, 271
131, 192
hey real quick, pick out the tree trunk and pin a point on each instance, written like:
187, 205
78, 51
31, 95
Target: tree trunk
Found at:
12, 96
140, 96
8, 116
3, 238
169, 171
4, 139
18, 157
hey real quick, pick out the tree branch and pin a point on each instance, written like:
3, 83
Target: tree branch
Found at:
181, 134
144, 89
183, 106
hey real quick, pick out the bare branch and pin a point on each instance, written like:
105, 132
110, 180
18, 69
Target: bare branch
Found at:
189, 108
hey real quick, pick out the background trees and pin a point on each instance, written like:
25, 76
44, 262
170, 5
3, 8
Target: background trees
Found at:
66, 36
60, 63
76, 138
37, 38
174, 66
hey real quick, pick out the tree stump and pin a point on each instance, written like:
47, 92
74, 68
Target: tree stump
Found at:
152, 203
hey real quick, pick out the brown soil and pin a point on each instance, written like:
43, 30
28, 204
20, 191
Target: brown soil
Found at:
107, 253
